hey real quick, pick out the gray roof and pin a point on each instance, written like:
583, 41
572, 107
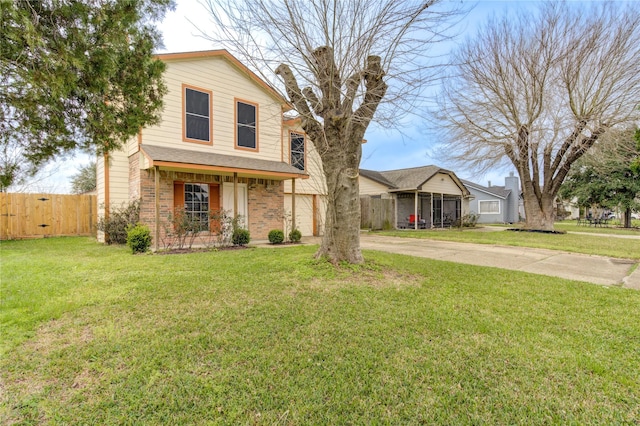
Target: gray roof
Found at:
408, 179
377, 177
498, 191
189, 157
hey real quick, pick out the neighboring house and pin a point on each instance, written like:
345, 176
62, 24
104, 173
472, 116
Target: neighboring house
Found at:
222, 143
435, 196
496, 204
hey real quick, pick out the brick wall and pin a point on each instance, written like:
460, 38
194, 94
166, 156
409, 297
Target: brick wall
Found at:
266, 208
265, 198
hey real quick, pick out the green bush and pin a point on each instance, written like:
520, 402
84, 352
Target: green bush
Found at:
276, 236
295, 236
119, 220
240, 237
138, 238
467, 221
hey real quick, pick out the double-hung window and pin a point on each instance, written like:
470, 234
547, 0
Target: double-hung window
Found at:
489, 207
297, 150
197, 115
246, 125
196, 201
196, 204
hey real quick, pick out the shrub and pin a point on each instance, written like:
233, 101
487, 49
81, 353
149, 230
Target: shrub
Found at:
138, 238
181, 229
276, 236
295, 236
470, 220
240, 237
120, 219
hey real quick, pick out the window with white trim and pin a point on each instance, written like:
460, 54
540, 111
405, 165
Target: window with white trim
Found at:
246, 125
297, 150
489, 207
197, 115
196, 203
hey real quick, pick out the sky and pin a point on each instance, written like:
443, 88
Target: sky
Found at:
386, 149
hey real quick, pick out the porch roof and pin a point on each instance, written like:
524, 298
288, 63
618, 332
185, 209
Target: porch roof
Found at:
411, 179
207, 161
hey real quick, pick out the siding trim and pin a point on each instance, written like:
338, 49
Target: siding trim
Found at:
182, 166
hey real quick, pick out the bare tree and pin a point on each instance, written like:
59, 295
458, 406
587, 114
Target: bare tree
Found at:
540, 89
85, 179
338, 61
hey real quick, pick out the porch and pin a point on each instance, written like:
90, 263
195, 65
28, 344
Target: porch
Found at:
432, 210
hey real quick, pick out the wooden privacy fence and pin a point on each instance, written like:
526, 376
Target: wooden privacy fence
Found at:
47, 215
377, 213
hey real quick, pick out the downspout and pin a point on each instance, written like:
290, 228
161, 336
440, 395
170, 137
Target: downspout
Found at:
156, 172
107, 198
293, 204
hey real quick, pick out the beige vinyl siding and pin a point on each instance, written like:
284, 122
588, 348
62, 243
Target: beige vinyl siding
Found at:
371, 187
441, 183
118, 164
315, 184
118, 178
227, 83
100, 184
304, 213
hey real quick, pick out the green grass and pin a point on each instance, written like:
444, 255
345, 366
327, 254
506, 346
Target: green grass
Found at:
573, 241
613, 229
95, 335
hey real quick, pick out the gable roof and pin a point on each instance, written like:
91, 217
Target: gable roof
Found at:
410, 179
376, 177
182, 158
223, 53
498, 191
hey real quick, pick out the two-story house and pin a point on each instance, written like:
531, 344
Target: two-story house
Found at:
223, 143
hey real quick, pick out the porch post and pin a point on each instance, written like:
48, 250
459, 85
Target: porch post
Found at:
235, 195
442, 211
431, 212
415, 211
395, 202
293, 205
156, 173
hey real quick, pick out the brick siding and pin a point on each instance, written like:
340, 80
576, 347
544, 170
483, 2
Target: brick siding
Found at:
265, 198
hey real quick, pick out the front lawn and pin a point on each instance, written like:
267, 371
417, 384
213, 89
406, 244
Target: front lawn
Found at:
95, 335
582, 242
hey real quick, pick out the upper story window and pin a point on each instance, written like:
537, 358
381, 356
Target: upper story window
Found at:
246, 125
297, 150
197, 126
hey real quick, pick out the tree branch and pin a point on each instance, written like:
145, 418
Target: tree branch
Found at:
375, 91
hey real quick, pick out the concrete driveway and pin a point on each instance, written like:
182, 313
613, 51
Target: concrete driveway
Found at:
581, 267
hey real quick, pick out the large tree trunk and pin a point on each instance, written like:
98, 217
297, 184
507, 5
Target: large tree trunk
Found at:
341, 239
539, 212
627, 217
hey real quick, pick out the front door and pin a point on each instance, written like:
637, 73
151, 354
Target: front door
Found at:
227, 201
